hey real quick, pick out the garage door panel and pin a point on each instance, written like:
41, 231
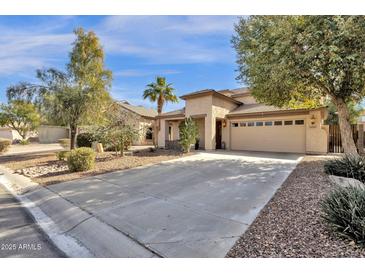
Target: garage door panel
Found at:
269, 138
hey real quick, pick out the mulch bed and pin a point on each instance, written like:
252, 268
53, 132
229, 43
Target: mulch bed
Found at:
290, 224
46, 169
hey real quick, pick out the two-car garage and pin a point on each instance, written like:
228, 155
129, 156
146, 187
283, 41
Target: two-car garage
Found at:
285, 134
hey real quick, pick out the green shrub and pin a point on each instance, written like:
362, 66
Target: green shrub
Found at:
85, 139
344, 211
351, 166
24, 142
65, 143
81, 159
188, 133
4, 145
62, 155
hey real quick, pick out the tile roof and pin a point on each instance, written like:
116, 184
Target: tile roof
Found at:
261, 108
174, 112
253, 108
145, 112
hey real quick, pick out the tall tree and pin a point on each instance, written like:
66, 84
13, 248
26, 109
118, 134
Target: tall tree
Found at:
79, 95
354, 113
21, 116
160, 92
314, 56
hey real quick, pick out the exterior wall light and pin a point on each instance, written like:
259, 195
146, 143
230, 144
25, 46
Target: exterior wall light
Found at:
313, 121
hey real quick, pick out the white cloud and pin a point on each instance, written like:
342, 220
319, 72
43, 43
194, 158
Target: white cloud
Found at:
22, 50
169, 39
205, 25
141, 72
153, 39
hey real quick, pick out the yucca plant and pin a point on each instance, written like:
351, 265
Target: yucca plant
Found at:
344, 211
351, 166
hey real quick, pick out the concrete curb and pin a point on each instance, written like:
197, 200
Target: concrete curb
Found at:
73, 230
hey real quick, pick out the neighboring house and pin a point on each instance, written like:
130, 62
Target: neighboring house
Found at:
232, 119
362, 118
145, 121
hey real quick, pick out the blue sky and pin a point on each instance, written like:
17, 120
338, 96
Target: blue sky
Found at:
192, 52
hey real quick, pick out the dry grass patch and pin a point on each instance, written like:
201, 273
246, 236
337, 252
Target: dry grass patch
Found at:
46, 169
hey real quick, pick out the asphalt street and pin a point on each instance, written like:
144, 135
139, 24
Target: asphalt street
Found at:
20, 237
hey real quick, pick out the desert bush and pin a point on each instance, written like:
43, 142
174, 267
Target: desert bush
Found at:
24, 142
85, 139
62, 155
65, 143
81, 159
4, 145
344, 211
351, 166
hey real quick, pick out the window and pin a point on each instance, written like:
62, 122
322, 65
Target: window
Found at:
278, 123
170, 131
250, 124
149, 134
259, 124
242, 124
268, 123
234, 124
299, 122
288, 123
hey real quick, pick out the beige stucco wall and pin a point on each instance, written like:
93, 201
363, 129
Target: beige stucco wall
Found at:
212, 108
163, 133
317, 134
51, 134
202, 106
142, 126
8, 133
201, 131
219, 111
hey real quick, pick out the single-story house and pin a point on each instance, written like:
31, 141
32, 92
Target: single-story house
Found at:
232, 119
144, 121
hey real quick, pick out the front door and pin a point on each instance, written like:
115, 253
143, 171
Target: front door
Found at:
218, 134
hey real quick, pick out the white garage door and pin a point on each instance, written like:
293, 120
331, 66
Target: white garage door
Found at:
287, 135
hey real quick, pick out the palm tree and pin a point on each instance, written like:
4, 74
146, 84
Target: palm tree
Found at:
160, 92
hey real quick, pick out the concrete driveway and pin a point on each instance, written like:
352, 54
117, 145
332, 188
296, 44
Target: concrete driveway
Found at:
196, 206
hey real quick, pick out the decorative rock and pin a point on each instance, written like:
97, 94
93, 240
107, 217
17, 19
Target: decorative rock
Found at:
38, 171
345, 182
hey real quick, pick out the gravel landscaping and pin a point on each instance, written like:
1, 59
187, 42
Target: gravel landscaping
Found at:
290, 224
46, 169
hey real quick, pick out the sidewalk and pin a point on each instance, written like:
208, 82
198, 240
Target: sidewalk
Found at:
77, 233
19, 235
32, 148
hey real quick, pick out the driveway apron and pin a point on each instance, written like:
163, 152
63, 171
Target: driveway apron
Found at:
196, 206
